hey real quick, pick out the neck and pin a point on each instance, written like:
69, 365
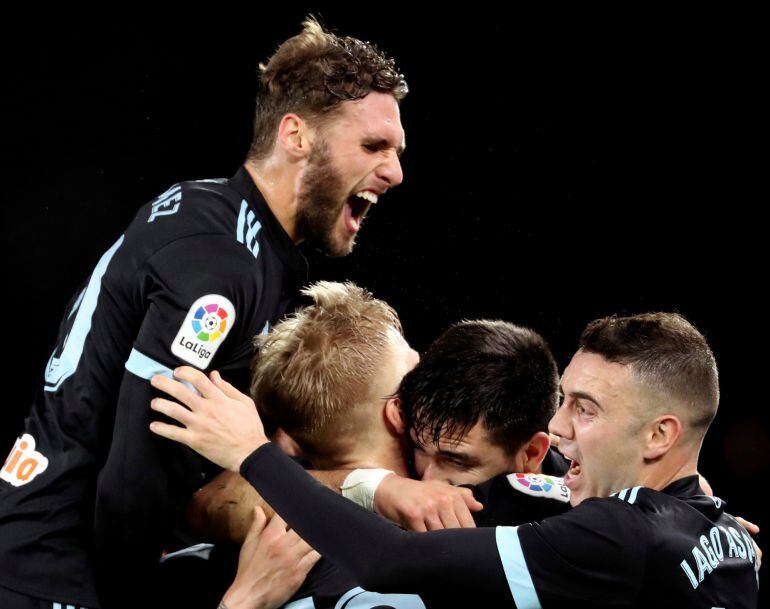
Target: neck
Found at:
387, 454
659, 475
278, 183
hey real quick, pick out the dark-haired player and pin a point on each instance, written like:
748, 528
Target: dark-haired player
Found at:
639, 396
200, 271
479, 402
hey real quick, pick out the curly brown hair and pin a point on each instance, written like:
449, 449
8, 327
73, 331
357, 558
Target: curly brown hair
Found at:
311, 74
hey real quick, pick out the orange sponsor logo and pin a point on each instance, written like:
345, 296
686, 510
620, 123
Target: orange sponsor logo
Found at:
24, 463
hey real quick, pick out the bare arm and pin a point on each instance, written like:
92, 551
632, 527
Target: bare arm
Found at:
223, 510
271, 568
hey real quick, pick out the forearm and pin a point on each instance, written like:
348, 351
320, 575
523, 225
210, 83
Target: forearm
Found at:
224, 509
382, 557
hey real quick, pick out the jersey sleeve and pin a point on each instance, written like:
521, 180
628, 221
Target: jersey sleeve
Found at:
200, 296
382, 557
593, 555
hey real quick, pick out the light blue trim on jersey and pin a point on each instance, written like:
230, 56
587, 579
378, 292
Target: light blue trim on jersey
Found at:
303, 603
628, 494
634, 493
61, 368
358, 598
77, 302
246, 221
145, 368
515, 567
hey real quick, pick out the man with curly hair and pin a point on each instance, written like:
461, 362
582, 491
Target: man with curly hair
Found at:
87, 497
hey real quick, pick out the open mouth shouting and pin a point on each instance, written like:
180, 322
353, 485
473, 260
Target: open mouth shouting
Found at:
356, 208
573, 474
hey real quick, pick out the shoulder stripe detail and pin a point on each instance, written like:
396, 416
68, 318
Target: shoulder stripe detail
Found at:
634, 493
145, 368
515, 567
628, 494
247, 220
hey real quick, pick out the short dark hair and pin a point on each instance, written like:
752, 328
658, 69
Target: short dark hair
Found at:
485, 370
667, 353
311, 74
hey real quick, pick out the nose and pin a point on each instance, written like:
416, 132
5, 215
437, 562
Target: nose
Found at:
429, 471
390, 170
559, 424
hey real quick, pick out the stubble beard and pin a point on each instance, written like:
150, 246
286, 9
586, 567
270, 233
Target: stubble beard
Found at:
320, 198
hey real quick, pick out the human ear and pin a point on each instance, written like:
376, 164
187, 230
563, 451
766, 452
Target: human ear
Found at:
660, 435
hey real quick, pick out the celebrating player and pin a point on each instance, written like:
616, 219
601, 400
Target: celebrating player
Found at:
199, 272
639, 396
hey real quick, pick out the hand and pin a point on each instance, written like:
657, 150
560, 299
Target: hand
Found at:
753, 530
425, 506
272, 566
221, 423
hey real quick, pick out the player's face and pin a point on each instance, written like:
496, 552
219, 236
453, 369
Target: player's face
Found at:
354, 160
470, 458
597, 429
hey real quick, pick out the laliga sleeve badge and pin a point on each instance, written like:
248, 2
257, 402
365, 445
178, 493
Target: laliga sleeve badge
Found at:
205, 327
540, 485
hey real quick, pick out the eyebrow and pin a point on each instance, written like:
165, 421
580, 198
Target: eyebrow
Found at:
467, 459
382, 142
581, 395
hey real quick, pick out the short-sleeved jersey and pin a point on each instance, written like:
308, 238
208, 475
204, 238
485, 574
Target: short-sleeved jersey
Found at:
198, 273
639, 548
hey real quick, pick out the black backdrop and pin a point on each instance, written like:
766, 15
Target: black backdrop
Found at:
558, 168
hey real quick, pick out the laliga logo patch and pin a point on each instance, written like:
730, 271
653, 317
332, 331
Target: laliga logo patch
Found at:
207, 324
538, 485
24, 463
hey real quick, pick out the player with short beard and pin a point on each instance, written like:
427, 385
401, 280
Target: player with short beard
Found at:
202, 269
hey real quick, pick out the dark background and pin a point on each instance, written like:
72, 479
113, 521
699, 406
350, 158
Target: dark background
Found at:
559, 168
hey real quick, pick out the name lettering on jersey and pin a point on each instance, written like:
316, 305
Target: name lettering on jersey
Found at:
24, 463
166, 204
539, 485
205, 327
247, 229
709, 553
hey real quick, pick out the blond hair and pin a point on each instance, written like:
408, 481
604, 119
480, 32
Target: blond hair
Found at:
318, 364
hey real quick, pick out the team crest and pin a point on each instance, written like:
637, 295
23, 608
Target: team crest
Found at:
205, 327
539, 485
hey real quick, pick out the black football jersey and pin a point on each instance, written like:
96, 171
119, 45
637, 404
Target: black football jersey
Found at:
198, 273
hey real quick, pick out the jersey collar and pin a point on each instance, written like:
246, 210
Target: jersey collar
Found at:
285, 248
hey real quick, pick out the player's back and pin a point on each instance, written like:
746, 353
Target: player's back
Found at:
639, 548
695, 551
